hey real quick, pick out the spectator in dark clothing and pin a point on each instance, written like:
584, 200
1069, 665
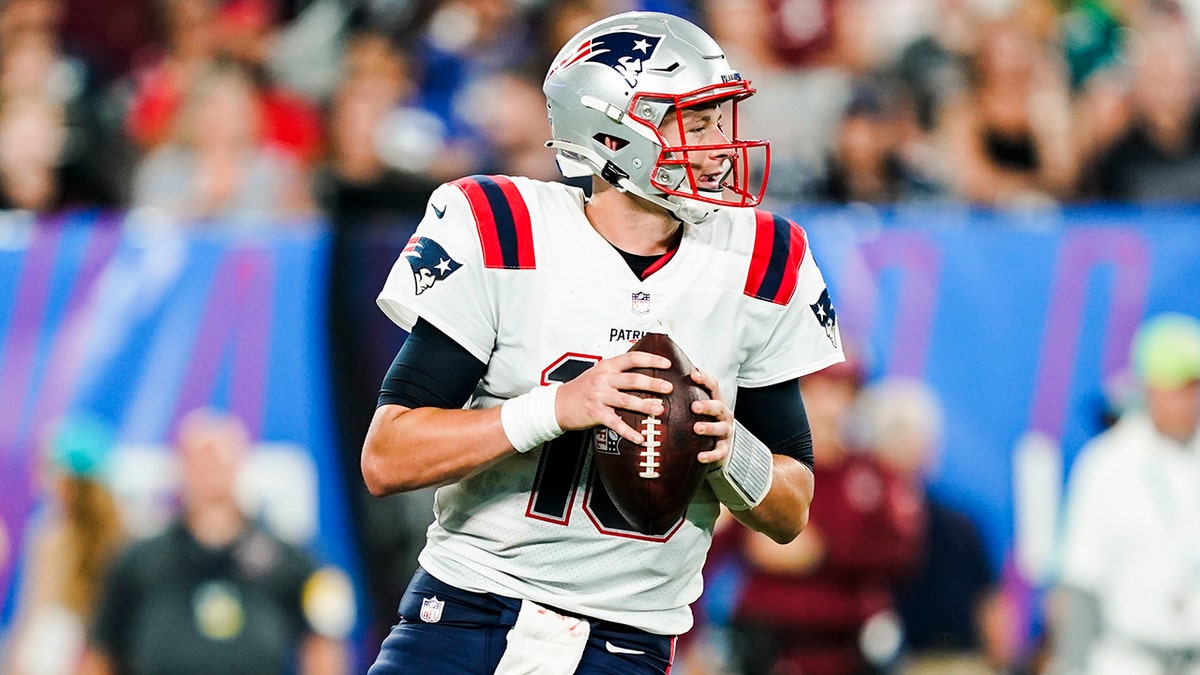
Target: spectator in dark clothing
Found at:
948, 605
935, 66
825, 603
33, 176
1009, 136
939, 607
880, 154
357, 186
57, 151
1157, 159
215, 592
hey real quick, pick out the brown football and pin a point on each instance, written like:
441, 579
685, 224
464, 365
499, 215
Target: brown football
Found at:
652, 484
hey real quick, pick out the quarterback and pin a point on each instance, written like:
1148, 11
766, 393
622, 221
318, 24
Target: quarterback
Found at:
522, 299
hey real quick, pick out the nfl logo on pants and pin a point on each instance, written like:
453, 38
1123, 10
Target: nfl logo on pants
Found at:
431, 609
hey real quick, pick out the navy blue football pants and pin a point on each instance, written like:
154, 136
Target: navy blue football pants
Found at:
471, 633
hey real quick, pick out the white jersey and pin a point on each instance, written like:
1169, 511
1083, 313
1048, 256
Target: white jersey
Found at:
512, 270
1132, 534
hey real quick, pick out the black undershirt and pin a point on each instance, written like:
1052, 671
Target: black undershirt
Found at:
643, 265
432, 369
639, 263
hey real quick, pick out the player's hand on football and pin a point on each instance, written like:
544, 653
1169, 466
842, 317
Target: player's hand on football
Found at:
594, 396
721, 426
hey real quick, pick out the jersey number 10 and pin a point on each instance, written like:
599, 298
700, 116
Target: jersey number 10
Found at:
562, 467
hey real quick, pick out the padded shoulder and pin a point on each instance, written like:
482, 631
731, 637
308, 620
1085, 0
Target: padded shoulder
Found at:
779, 249
502, 220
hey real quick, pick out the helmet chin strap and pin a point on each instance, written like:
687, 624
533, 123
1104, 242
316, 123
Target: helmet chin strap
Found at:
685, 209
695, 212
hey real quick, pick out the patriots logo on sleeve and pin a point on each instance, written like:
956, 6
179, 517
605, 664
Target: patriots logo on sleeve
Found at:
623, 51
826, 316
429, 261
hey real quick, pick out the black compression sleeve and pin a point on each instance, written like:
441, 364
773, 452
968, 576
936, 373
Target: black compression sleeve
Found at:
431, 369
775, 415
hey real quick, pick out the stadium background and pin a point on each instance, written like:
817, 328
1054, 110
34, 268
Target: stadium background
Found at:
1017, 311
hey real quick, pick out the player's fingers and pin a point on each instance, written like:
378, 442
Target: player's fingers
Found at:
627, 432
638, 360
714, 456
639, 382
645, 406
713, 408
709, 382
586, 402
719, 429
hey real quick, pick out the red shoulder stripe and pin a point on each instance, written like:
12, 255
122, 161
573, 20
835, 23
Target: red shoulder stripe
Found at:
779, 248
502, 220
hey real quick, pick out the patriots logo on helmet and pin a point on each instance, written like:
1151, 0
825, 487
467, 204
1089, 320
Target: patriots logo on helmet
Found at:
826, 316
623, 51
429, 261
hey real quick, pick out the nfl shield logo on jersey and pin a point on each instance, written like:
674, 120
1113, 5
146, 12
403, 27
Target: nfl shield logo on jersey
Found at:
607, 441
431, 609
641, 303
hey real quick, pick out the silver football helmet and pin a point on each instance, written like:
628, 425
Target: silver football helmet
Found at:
614, 85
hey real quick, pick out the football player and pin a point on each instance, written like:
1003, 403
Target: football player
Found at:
522, 299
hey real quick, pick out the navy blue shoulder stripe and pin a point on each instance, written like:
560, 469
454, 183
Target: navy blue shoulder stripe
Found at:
779, 247
502, 218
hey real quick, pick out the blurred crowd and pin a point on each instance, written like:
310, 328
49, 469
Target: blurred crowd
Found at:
214, 590
892, 577
887, 577
355, 109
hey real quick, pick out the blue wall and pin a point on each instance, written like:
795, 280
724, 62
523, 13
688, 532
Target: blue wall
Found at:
1018, 320
141, 327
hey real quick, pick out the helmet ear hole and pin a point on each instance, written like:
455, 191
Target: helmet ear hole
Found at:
611, 142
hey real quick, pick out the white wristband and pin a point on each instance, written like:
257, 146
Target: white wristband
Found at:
529, 419
744, 479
